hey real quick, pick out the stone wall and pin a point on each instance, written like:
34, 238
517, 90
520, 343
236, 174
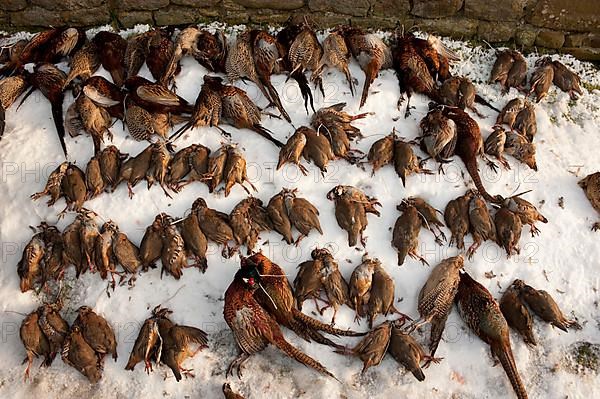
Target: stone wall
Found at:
568, 25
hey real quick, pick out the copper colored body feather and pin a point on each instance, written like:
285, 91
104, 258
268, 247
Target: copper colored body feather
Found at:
516, 314
373, 347
482, 314
253, 328
519, 147
360, 286
111, 51
78, 354
508, 230
566, 80
351, 208
84, 63
405, 236
407, 351
277, 298
96, 331
381, 153
437, 296
334, 284
482, 224
456, 216
469, 145
382, 294
542, 77
335, 55
544, 306
591, 187
370, 51
34, 340
50, 80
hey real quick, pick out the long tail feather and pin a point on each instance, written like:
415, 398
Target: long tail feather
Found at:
301, 357
266, 133
472, 169
57, 115
2, 120
507, 360
483, 101
276, 100
181, 131
317, 325
437, 329
304, 89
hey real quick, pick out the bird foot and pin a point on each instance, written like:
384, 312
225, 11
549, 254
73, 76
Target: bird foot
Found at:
187, 373
535, 231
269, 114
237, 365
431, 359
492, 166
148, 366
596, 226
402, 319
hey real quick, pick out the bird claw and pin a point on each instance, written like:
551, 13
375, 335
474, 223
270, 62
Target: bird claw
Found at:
492, 166
596, 226
430, 359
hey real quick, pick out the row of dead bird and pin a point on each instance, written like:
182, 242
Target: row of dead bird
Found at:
467, 213
90, 338
510, 70
260, 290
82, 346
254, 55
419, 63
86, 245
82, 244
155, 164
48, 253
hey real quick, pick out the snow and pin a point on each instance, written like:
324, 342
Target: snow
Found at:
564, 259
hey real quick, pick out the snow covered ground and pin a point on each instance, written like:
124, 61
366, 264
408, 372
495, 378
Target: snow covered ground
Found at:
564, 259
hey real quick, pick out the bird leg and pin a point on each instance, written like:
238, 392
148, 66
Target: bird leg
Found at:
271, 114
472, 249
403, 317
430, 359
224, 132
534, 230
335, 309
148, 366
327, 304
300, 237
237, 364
29, 360
400, 101
491, 165
408, 107
415, 255
302, 169
418, 324
479, 114
130, 190
187, 372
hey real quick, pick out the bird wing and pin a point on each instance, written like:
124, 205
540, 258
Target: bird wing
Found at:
184, 335
158, 94
249, 322
93, 94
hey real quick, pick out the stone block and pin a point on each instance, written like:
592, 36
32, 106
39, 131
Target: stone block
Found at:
436, 8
